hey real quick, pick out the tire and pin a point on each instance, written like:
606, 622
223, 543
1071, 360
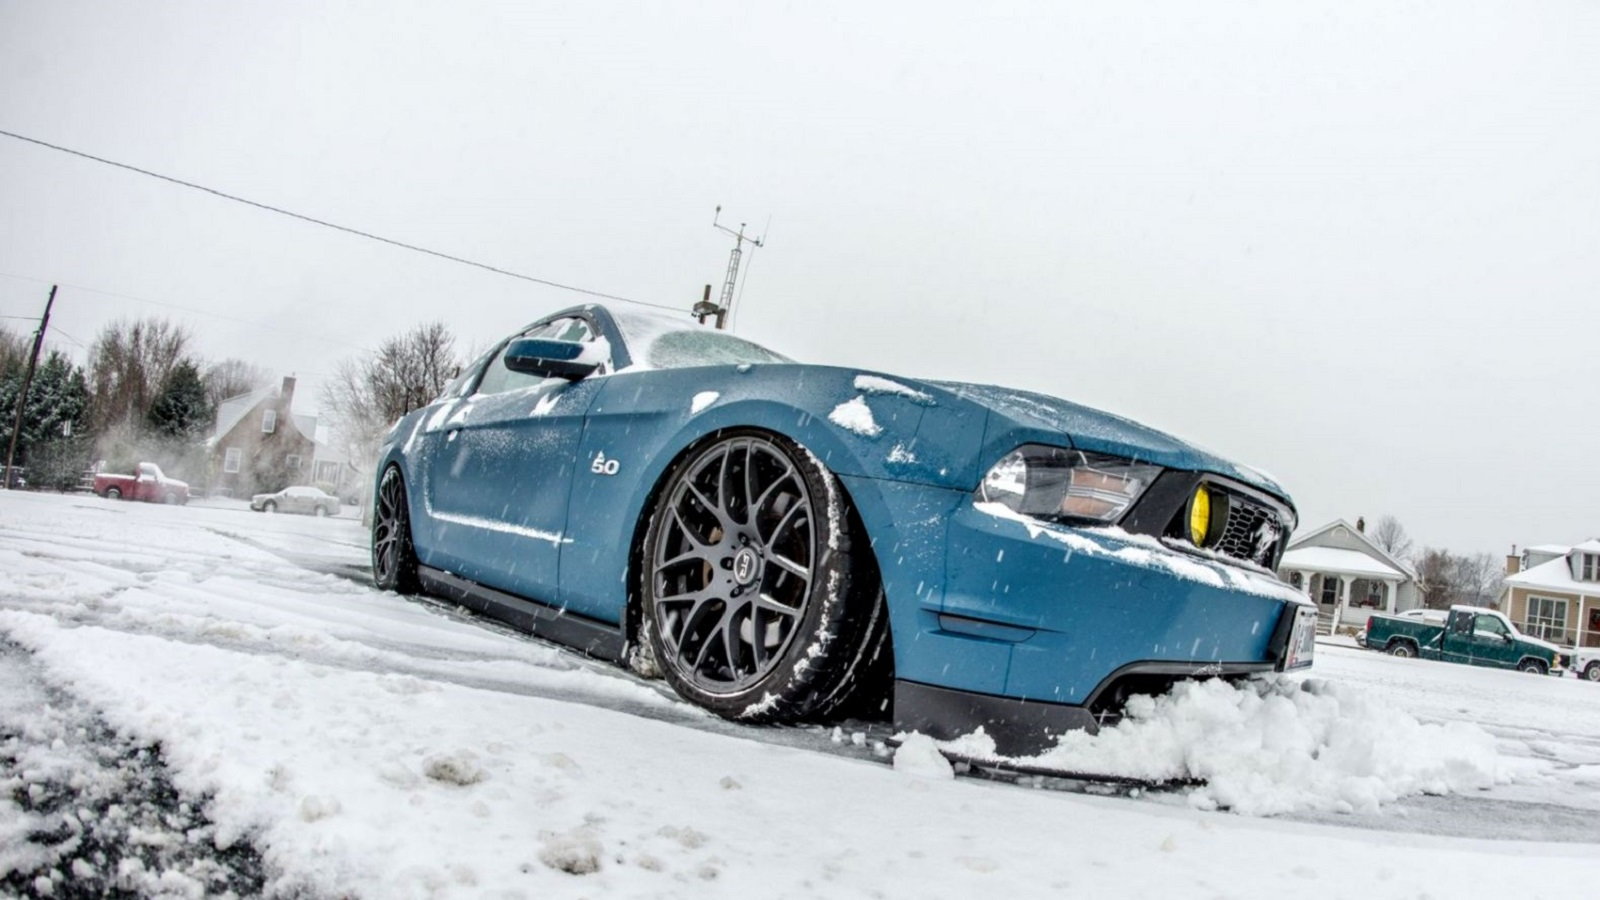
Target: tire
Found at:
170, 499
269, 507
394, 559
751, 535
113, 494
1402, 649
1592, 673
321, 512
1533, 666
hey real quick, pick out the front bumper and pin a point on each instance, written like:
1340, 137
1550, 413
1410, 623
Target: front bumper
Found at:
1042, 629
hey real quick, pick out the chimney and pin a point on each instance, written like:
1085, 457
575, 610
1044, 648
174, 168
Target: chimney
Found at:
1513, 562
286, 396
1361, 524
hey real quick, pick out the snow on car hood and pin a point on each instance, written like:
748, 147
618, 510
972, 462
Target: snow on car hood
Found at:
1097, 431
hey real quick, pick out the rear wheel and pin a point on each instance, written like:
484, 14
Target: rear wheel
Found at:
394, 559
1592, 673
1533, 666
756, 603
1401, 649
113, 494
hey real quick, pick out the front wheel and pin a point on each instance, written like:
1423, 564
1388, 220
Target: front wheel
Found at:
269, 507
1402, 649
1532, 666
756, 604
1592, 673
394, 559
322, 512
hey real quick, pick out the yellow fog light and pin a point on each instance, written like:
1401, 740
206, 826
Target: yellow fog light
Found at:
1199, 516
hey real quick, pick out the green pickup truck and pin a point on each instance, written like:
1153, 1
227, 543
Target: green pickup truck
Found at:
1469, 634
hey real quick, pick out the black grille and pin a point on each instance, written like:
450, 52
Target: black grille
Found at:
1252, 532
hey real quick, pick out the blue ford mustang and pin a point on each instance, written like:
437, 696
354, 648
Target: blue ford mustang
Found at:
790, 542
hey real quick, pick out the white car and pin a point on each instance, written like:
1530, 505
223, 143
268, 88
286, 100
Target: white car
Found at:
1585, 663
300, 499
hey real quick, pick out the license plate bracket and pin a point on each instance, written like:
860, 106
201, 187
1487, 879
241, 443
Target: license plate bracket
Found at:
1301, 646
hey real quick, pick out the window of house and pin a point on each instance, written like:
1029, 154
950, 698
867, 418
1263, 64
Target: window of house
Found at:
1330, 590
292, 461
269, 421
327, 471
1294, 579
1374, 596
1590, 567
1547, 618
231, 459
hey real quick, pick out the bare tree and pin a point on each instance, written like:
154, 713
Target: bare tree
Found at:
1391, 538
1479, 579
1435, 578
128, 364
14, 350
366, 395
232, 377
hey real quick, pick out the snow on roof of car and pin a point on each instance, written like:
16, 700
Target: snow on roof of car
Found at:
1333, 559
645, 329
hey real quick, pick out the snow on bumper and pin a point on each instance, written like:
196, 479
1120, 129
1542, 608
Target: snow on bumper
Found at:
1047, 613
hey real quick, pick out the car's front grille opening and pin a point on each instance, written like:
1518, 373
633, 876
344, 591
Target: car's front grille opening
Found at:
1251, 531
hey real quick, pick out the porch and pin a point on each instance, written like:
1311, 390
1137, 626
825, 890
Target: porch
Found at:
1347, 586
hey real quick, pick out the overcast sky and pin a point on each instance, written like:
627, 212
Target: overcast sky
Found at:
1355, 245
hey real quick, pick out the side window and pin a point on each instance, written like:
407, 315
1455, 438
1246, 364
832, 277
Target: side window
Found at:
1491, 625
498, 379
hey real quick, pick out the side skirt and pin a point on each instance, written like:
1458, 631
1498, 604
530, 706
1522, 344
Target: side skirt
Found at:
588, 636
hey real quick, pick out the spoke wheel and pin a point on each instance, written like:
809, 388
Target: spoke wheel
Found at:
394, 560
754, 602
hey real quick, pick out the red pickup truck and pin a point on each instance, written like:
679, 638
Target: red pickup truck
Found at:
149, 485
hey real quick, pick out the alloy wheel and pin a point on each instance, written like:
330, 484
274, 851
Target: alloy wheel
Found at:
732, 567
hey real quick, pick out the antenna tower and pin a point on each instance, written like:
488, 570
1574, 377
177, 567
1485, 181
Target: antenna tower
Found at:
724, 306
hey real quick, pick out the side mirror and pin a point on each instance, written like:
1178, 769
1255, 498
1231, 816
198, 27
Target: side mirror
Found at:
550, 359
1506, 637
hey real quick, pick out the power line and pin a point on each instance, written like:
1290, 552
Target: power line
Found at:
326, 224
259, 323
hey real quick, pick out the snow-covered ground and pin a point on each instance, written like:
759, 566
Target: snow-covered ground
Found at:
202, 700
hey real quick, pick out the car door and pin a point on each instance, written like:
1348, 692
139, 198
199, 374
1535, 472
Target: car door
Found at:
1455, 644
497, 471
1491, 642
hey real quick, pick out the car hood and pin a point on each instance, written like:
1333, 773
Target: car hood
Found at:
1101, 432
1539, 642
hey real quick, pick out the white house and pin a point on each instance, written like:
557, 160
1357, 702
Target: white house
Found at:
1348, 575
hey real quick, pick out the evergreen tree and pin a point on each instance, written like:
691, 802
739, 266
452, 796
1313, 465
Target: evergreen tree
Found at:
57, 406
182, 410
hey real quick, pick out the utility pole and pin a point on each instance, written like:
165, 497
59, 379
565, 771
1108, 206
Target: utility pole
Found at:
27, 381
722, 308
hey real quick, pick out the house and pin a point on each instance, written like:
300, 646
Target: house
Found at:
1553, 592
259, 444
1348, 575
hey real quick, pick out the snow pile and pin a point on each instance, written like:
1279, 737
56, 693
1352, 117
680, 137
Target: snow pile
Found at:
919, 755
875, 384
854, 415
1279, 745
702, 400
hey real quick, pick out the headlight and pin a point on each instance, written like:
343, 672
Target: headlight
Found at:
1070, 485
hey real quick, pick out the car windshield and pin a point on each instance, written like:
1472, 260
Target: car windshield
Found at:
668, 342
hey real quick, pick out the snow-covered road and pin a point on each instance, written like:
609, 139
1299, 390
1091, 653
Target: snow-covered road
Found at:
336, 740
